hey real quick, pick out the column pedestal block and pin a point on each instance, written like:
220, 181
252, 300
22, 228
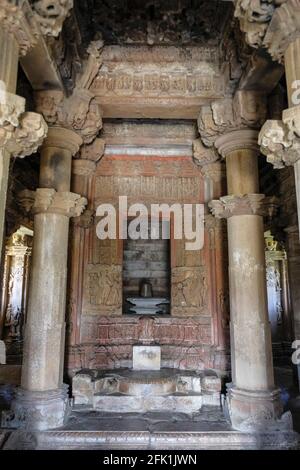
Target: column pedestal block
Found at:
38, 410
257, 411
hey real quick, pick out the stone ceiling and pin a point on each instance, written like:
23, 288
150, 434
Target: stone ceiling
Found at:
154, 22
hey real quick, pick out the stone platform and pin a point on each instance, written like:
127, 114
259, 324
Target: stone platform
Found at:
94, 430
128, 391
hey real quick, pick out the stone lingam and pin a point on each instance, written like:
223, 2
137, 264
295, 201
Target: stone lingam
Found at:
147, 386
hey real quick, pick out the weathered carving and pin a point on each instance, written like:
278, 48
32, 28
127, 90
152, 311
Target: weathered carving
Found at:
16, 17
279, 140
93, 151
202, 155
85, 220
254, 17
284, 28
246, 110
11, 108
51, 14
80, 112
51, 201
28, 136
228, 206
189, 291
103, 289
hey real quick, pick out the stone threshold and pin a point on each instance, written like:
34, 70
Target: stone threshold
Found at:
132, 440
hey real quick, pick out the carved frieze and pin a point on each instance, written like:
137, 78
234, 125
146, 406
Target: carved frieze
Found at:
50, 201
279, 140
229, 206
51, 14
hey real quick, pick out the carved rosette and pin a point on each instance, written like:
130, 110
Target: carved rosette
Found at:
284, 28
16, 17
254, 17
51, 14
49, 201
279, 140
229, 206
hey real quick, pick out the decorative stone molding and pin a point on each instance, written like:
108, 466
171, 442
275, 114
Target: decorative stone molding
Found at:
248, 109
283, 29
279, 140
47, 102
28, 136
51, 14
93, 151
254, 17
16, 17
229, 206
65, 139
237, 140
49, 201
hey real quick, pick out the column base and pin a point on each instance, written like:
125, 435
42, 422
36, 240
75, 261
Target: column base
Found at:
38, 410
257, 411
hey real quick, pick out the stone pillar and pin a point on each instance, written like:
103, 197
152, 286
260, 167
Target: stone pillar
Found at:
253, 401
42, 400
16, 38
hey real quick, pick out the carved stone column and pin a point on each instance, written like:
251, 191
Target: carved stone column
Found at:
230, 127
254, 403
42, 400
18, 33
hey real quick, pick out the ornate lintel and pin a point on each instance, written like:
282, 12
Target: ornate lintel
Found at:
280, 140
51, 14
49, 201
247, 110
232, 205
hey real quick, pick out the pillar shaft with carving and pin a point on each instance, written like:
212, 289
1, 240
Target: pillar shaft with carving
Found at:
42, 401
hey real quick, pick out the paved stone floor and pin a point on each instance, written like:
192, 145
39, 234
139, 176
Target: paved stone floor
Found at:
208, 428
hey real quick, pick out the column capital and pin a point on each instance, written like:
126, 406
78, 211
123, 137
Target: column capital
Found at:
279, 140
247, 110
17, 18
63, 138
49, 201
229, 206
237, 140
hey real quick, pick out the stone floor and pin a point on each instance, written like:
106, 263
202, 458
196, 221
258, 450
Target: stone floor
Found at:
207, 429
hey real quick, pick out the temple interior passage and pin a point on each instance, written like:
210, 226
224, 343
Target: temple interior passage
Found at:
149, 224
